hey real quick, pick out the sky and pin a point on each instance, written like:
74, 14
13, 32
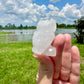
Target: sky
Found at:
29, 12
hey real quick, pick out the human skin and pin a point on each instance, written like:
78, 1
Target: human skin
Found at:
64, 68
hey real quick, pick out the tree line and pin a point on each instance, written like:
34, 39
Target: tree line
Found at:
13, 26
66, 26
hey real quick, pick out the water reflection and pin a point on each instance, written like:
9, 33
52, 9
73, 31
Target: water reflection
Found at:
26, 35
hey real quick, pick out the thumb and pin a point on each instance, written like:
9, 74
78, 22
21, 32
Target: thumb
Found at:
45, 72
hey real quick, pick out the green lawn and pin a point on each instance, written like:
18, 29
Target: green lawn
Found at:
5, 33
3, 36
18, 66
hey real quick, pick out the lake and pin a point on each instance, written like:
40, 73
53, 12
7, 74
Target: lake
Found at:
26, 35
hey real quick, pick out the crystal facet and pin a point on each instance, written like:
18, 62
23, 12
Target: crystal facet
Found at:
43, 38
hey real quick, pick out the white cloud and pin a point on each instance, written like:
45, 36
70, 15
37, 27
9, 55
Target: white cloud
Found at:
23, 9
1, 20
66, 15
54, 11
82, 10
82, 1
51, 7
27, 21
0, 3
34, 18
8, 19
27, 12
54, 1
70, 11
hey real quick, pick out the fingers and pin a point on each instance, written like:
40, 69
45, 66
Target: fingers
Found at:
66, 59
45, 63
75, 67
43, 59
59, 44
45, 73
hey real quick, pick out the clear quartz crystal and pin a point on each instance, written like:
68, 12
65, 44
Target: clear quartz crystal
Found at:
43, 38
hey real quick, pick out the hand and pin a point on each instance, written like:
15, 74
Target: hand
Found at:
64, 68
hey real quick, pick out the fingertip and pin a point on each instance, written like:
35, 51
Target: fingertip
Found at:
67, 46
43, 59
75, 47
75, 54
75, 69
58, 40
35, 55
38, 56
68, 36
75, 50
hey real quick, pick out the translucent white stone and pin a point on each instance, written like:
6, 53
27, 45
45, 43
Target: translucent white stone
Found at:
46, 25
43, 38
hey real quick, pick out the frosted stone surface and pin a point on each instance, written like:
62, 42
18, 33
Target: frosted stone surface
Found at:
46, 25
43, 38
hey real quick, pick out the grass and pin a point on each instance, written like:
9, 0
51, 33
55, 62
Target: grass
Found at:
3, 36
18, 66
81, 49
66, 27
5, 33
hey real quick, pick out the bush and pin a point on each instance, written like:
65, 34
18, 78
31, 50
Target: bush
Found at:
80, 30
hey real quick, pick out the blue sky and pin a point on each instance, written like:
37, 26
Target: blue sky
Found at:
59, 3
29, 12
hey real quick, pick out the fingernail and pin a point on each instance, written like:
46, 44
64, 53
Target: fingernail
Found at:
34, 55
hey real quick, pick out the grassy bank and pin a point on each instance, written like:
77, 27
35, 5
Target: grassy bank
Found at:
66, 27
18, 66
3, 36
4, 33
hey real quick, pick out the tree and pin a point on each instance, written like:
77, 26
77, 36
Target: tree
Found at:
25, 27
1, 27
70, 25
8, 26
32, 27
80, 30
13, 26
62, 25
20, 27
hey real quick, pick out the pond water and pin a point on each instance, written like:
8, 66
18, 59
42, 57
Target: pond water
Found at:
31, 31
26, 35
